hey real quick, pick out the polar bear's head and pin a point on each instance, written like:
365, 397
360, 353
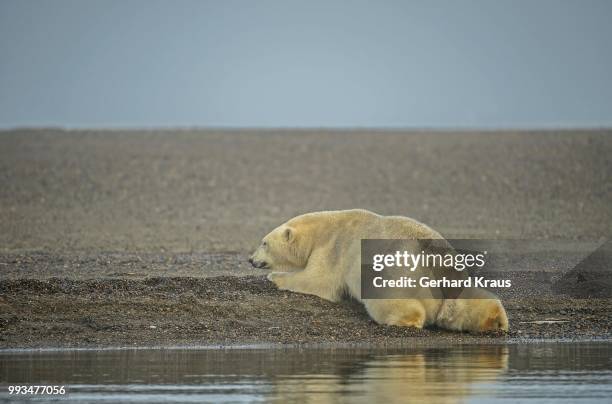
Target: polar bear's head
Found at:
280, 249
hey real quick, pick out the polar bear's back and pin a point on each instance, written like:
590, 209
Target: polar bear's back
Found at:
402, 227
363, 224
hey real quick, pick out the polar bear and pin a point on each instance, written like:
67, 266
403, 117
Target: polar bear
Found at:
320, 254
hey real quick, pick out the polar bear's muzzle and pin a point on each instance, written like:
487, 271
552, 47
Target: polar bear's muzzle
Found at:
258, 264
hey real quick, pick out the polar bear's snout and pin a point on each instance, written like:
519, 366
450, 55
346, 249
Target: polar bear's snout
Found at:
257, 264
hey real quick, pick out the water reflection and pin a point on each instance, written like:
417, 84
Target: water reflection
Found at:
448, 375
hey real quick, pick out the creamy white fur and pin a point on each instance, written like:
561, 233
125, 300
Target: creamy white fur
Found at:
319, 254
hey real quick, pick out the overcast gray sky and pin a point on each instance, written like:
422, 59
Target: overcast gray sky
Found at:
311, 63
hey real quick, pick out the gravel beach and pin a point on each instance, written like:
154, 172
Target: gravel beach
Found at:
123, 238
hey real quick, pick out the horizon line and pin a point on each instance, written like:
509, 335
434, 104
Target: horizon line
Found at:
228, 128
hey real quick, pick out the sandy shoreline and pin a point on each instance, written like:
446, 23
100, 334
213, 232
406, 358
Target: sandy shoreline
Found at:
112, 304
140, 238
186, 311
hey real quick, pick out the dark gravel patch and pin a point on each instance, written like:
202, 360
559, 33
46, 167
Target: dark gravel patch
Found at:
242, 310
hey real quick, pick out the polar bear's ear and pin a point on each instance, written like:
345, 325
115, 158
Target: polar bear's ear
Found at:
288, 234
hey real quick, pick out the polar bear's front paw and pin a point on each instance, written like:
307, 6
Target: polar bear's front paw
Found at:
278, 278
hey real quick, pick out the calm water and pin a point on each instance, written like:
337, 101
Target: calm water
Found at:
536, 373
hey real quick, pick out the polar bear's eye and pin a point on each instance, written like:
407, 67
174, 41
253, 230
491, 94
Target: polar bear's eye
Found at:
265, 244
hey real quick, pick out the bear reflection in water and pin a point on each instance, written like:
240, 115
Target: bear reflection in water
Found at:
438, 375
355, 375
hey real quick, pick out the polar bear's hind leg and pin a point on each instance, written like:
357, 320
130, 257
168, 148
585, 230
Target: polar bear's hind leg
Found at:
495, 317
400, 312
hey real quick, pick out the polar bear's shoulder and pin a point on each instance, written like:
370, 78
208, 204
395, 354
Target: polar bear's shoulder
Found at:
364, 223
335, 215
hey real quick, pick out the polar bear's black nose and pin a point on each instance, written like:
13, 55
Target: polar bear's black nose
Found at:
258, 264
